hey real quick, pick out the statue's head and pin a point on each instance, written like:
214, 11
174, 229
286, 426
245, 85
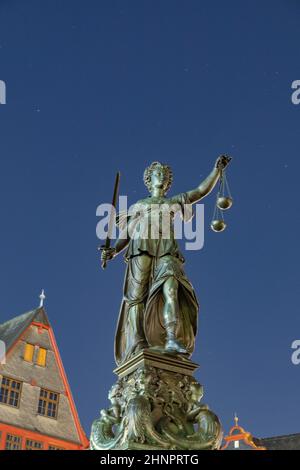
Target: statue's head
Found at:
196, 391
114, 392
158, 176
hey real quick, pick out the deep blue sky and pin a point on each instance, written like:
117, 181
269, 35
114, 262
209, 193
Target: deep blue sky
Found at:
99, 86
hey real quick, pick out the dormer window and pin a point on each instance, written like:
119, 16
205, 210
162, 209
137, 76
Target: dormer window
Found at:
39, 358
28, 352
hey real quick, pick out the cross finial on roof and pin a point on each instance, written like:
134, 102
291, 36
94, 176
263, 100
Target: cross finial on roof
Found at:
42, 298
236, 419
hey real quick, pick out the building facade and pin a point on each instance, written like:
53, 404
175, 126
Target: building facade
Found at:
37, 410
239, 439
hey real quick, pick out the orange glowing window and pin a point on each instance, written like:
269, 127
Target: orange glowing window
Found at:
41, 358
28, 352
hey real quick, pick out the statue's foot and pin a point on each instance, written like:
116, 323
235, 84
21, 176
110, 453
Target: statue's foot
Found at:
175, 345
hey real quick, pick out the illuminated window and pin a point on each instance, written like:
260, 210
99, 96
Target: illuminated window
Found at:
28, 352
41, 358
29, 355
48, 403
13, 442
33, 445
10, 392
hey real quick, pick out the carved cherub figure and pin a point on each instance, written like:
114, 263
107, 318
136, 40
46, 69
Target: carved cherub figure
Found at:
194, 405
113, 414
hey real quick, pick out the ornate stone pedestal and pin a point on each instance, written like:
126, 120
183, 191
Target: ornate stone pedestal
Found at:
155, 404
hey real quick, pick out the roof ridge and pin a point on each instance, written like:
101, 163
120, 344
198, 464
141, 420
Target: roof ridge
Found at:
12, 329
282, 436
29, 313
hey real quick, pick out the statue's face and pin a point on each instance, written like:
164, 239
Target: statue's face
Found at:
113, 392
196, 392
158, 178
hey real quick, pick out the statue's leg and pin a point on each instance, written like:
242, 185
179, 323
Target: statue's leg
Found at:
171, 315
136, 291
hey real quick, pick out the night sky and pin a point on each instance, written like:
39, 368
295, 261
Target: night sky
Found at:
94, 87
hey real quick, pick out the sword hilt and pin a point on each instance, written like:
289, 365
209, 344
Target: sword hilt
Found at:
104, 261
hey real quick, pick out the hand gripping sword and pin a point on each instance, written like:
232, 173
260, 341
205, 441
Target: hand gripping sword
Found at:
106, 246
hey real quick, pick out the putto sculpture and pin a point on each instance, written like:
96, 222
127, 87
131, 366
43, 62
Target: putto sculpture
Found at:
156, 400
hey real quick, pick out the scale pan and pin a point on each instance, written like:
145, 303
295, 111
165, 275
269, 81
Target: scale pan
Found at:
218, 225
224, 203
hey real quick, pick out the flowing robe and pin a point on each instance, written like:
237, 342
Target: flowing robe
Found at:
151, 260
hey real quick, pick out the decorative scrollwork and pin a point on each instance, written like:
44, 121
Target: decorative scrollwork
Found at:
153, 408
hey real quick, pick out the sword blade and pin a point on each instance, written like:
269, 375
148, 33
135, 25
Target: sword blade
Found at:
112, 213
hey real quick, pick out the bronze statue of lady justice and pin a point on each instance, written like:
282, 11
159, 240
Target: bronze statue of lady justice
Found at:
159, 307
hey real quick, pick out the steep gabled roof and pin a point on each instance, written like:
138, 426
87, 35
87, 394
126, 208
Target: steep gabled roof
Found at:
289, 442
11, 330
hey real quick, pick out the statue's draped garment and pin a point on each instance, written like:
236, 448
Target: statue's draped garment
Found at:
151, 260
